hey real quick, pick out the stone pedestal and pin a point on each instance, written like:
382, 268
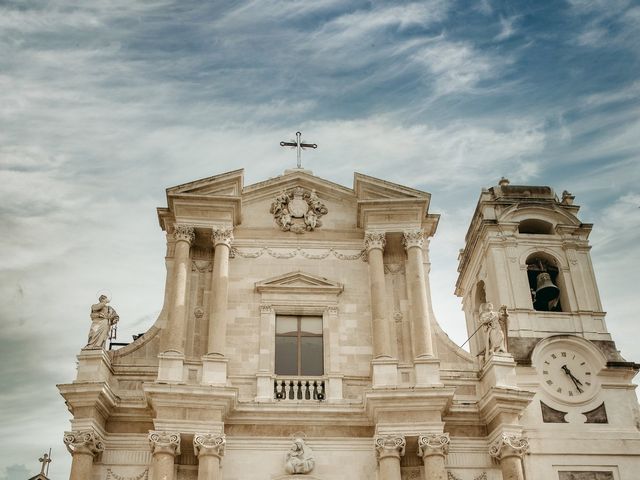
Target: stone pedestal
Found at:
427, 372
264, 387
214, 370
94, 365
509, 450
209, 448
433, 448
389, 449
384, 372
83, 445
334, 388
164, 448
171, 367
498, 371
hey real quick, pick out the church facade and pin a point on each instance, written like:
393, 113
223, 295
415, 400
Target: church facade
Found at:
297, 340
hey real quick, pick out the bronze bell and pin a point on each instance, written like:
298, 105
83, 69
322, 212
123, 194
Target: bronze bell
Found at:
546, 292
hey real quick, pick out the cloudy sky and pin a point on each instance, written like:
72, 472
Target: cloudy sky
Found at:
104, 104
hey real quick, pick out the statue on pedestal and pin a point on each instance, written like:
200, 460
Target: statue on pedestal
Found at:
494, 339
103, 317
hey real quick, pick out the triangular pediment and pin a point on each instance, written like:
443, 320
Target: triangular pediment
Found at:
225, 184
296, 178
371, 188
299, 281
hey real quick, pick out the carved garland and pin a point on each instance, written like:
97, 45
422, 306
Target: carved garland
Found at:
143, 476
296, 252
451, 476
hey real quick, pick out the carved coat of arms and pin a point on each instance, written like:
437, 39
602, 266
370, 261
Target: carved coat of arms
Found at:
298, 211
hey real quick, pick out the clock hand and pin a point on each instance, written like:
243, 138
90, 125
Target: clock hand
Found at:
575, 381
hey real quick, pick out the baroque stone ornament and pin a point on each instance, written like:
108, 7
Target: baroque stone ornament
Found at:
83, 441
413, 238
509, 446
103, 319
222, 234
209, 444
184, 233
374, 239
164, 442
390, 445
113, 476
433, 444
299, 458
298, 211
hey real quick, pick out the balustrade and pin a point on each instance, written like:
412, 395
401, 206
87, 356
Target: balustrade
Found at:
298, 389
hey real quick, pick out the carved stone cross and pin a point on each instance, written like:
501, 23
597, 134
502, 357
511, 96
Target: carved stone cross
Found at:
299, 146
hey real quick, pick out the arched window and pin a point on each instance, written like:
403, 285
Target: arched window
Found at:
542, 273
535, 226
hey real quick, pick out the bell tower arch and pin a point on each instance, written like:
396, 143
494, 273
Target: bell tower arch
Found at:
527, 249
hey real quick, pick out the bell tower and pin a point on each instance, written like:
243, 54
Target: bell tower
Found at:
528, 250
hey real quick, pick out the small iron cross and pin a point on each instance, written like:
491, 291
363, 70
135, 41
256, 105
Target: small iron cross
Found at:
45, 460
299, 145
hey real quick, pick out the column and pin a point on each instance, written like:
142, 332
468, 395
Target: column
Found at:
222, 237
209, 449
83, 445
374, 243
389, 449
164, 448
171, 358
214, 363
509, 450
413, 242
432, 448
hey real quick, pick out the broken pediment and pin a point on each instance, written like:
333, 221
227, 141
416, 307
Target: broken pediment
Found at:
371, 188
299, 282
225, 184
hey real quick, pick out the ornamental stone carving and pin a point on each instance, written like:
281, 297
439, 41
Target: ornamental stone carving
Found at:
209, 444
164, 442
298, 211
299, 458
184, 233
413, 238
390, 446
374, 239
222, 234
83, 441
509, 446
433, 444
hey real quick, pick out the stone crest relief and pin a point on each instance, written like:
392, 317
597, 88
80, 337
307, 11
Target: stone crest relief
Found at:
298, 211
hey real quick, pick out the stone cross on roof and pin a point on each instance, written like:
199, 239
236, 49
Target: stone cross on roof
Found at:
299, 146
45, 460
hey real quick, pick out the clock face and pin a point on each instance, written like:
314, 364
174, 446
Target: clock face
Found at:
567, 375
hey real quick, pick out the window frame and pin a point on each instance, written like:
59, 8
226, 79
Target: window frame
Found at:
299, 334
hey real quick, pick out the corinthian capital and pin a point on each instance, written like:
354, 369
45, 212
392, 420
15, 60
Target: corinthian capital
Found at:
390, 446
433, 444
509, 446
209, 444
183, 233
222, 234
164, 442
83, 441
413, 238
374, 239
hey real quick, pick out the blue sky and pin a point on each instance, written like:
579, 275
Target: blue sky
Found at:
104, 104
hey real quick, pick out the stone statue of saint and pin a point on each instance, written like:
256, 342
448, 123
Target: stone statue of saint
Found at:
300, 458
494, 339
103, 317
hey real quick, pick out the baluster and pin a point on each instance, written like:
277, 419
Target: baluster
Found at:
279, 388
307, 390
320, 390
287, 387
